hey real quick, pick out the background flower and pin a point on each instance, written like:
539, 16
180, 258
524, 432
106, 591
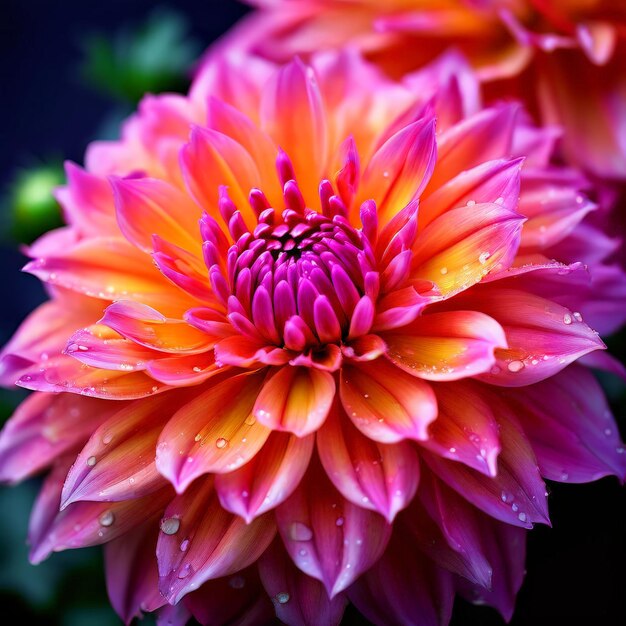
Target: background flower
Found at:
546, 53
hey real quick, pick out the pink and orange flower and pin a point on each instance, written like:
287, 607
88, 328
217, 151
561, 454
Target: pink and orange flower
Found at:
308, 341
561, 57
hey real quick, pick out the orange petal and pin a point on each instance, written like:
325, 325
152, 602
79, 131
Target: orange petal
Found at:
214, 432
446, 346
295, 399
385, 403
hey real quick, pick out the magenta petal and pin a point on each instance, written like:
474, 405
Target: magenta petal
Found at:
404, 587
505, 547
375, 476
516, 495
131, 571
84, 523
449, 530
238, 600
214, 543
328, 537
299, 600
268, 479
465, 429
577, 445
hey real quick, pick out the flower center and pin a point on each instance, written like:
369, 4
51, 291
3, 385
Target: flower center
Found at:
295, 279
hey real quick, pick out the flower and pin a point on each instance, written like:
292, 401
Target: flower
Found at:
546, 53
312, 346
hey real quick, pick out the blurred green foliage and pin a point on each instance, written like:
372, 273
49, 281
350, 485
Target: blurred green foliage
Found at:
30, 207
154, 57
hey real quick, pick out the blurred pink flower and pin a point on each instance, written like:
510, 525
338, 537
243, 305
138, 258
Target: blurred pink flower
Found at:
313, 346
563, 58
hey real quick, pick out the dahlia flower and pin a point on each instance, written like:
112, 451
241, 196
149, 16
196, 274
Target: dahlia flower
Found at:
564, 57
314, 337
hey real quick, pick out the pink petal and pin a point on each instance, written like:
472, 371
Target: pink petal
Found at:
131, 572
404, 587
466, 429
44, 427
214, 432
295, 399
101, 347
216, 543
449, 530
505, 547
183, 371
84, 523
249, 352
446, 346
484, 136
577, 445
110, 269
147, 207
292, 113
401, 168
385, 403
463, 245
543, 337
328, 537
516, 495
236, 600
375, 476
212, 159
299, 600
117, 463
63, 373
484, 183
268, 479
147, 327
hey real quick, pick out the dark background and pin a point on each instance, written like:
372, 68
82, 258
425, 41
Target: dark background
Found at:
576, 570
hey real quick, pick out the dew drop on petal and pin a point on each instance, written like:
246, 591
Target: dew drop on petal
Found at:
567, 319
522, 517
482, 259
170, 525
339, 521
197, 437
221, 443
184, 545
250, 420
443, 271
106, 519
282, 597
237, 582
91, 461
300, 532
515, 366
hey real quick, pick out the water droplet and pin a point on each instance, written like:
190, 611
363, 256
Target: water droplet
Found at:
385, 174
607, 432
482, 259
106, 440
91, 461
106, 519
197, 437
237, 582
184, 545
444, 271
282, 597
567, 319
221, 443
250, 420
170, 525
300, 532
302, 552
577, 316
564, 476
522, 517
196, 369
453, 450
339, 521
515, 366
514, 507
471, 202
499, 200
